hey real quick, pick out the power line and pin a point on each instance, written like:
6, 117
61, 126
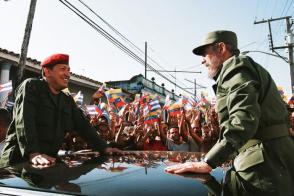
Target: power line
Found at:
284, 8
124, 38
279, 28
101, 31
121, 35
190, 67
289, 7
265, 9
112, 28
114, 40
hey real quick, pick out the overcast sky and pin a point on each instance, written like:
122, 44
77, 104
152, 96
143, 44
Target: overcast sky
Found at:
172, 29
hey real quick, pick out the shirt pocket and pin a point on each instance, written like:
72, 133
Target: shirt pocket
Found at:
249, 158
46, 114
67, 119
221, 102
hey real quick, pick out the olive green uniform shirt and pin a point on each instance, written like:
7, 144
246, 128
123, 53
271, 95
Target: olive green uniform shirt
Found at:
40, 122
250, 107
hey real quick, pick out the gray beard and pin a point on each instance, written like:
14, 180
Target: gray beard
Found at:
211, 75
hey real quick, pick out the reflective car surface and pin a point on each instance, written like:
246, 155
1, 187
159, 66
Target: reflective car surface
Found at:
135, 173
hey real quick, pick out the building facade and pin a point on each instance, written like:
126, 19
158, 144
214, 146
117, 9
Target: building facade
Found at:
140, 85
8, 71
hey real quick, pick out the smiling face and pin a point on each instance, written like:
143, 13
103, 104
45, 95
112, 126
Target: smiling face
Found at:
57, 77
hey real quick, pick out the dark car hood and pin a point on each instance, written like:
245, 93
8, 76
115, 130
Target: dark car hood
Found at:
137, 173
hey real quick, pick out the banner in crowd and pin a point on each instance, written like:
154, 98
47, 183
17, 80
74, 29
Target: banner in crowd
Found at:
5, 90
6, 87
79, 98
97, 110
115, 97
151, 111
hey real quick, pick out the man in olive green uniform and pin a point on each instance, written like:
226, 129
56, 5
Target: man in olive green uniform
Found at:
43, 114
253, 123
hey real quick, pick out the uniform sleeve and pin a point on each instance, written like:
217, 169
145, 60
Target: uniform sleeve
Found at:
25, 115
83, 127
242, 118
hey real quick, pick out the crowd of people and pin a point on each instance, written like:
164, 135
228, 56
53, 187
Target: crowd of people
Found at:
190, 129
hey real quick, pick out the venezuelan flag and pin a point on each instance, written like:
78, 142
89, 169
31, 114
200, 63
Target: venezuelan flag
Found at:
175, 109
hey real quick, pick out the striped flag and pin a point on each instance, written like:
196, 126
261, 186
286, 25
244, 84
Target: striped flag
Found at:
146, 110
93, 110
155, 106
99, 110
9, 104
79, 98
5, 90
150, 119
152, 111
115, 96
7, 87
175, 109
167, 103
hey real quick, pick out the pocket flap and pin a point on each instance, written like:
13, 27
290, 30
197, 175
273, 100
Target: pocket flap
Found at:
248, 158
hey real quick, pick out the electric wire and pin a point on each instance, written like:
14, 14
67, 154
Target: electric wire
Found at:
122, 36
114, 41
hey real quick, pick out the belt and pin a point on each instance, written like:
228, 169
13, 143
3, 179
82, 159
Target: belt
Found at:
265, 134
272, 132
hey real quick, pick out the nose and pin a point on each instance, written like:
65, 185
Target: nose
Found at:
203, 61
67, 73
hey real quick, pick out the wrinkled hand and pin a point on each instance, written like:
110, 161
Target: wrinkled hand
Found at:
111, 151
196, 167
42, 160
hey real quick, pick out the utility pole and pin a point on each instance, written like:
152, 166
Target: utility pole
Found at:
289, 43
290, 51
25, 43
195, 87
175, 77
175, 80
146, 60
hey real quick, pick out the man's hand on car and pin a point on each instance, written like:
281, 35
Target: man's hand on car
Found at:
196, 167
41, 160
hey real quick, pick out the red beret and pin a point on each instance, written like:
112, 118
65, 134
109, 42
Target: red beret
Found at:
55, 59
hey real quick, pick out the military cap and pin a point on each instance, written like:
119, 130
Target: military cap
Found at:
55, 59
215, 37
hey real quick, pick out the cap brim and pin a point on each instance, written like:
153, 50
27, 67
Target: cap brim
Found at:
199, 50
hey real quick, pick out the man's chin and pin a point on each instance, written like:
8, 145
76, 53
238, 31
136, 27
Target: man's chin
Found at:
64, 86
211, 74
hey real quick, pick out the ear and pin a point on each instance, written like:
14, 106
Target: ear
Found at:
222, 47
46, 71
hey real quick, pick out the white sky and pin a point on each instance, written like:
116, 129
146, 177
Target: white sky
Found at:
172, 29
